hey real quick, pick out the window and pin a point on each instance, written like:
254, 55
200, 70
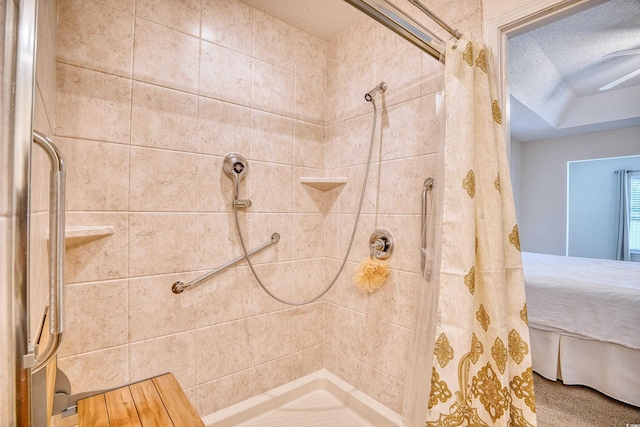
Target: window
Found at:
634, 212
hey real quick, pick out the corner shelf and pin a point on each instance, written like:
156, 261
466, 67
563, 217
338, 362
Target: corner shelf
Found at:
85, 233
323, 184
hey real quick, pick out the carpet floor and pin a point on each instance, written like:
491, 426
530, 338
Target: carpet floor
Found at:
559, 405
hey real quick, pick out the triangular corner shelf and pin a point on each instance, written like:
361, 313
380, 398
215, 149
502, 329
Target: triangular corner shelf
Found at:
85, 233
323, 184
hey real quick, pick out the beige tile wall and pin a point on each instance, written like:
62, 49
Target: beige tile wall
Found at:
147, 105
368, 337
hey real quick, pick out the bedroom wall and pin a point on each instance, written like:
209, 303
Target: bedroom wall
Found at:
515, 165
593, 206
543, 182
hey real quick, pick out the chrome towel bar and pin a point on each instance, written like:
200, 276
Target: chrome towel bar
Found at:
56, 250
427, 186
179, 286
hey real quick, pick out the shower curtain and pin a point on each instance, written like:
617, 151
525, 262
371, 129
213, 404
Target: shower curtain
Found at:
481, 373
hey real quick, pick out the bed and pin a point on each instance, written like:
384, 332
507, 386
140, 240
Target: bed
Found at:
584, 320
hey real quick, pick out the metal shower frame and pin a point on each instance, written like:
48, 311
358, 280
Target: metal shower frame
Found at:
401, 23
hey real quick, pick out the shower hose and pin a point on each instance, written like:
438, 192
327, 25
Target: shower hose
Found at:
353, 232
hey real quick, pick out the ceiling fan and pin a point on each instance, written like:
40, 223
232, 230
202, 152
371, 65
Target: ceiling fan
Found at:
625, 77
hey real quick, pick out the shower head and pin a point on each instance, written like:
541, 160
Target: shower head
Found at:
381, 88
237, 166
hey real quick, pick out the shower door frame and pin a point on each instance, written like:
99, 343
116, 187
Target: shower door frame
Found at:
18, 72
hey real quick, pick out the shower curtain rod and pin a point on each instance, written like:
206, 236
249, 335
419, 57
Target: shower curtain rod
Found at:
402, 24
455, 33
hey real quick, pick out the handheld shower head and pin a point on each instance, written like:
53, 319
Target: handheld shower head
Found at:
381, 88
237, 166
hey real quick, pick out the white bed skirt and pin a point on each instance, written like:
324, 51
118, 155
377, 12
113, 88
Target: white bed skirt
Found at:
609, 368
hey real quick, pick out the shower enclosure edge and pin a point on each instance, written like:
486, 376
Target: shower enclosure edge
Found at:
418, 385
17, 105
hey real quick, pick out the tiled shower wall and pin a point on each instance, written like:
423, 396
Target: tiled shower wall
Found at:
150, 97
368, 337
149, 102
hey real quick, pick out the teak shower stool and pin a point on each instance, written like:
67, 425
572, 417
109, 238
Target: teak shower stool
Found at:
158, 401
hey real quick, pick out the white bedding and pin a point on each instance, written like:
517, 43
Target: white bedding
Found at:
589, 298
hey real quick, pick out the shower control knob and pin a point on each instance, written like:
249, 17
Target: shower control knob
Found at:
381, 244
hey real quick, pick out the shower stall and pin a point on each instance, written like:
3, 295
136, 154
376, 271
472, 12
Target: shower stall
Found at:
146, 106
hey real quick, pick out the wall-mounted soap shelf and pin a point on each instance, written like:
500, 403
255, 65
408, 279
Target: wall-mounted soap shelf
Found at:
323, 184
85, 233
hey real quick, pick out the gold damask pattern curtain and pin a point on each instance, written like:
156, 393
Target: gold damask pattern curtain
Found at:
481, 374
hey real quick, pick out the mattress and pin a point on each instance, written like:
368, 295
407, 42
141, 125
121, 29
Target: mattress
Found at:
588, 298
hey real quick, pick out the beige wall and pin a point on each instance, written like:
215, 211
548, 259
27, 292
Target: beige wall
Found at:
148, 103
494, 8
3, 6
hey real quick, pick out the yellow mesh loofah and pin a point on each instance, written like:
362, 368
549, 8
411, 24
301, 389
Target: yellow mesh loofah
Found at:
371, 274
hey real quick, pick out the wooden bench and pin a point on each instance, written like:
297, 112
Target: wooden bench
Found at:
156, 402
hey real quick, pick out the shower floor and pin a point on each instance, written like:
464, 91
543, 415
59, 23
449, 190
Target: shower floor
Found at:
317, 400
315, 409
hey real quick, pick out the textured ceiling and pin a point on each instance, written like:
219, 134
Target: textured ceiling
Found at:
555, 73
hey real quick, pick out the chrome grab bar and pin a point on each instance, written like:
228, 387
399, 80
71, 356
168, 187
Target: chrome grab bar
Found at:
56, 250
428, 185
179, 286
